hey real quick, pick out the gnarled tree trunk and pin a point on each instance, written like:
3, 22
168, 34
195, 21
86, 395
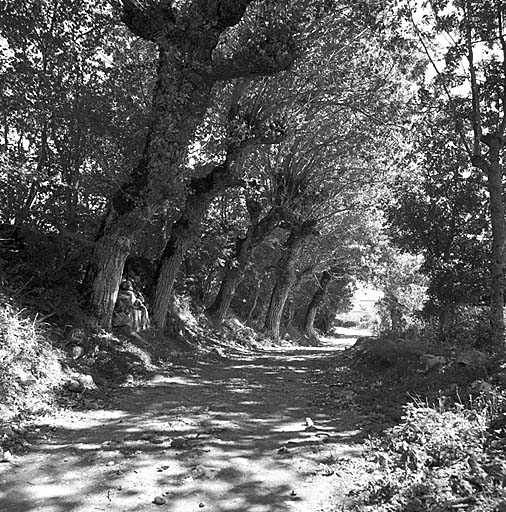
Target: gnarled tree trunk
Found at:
173, 124
236, 267
187, 36
316, 301
184, 233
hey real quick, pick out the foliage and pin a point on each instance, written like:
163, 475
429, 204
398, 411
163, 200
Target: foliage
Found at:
440, 211
435, 459
73, 110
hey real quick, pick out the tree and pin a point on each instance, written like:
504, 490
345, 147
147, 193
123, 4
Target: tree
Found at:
473, 83
65, 112
195, 43
441, 212
246, 128
285, 275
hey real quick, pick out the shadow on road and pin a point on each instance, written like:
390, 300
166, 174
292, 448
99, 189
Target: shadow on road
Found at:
227, 435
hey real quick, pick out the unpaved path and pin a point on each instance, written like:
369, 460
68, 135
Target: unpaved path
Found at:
241, 443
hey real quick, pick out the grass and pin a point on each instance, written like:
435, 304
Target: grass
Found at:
30, 364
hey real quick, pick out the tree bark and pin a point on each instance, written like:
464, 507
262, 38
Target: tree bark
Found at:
255, 300
186, 39
316, 301
180, 100
184, 233
490, 164
286, 276
495, 189
238, 264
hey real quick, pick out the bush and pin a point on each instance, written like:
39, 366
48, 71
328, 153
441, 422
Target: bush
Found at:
437, 460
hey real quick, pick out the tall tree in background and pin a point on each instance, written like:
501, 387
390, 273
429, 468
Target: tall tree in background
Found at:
474, 83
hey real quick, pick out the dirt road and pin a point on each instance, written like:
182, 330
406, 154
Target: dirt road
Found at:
228, 434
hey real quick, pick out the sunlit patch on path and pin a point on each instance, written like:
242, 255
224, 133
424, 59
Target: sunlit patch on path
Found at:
225, 435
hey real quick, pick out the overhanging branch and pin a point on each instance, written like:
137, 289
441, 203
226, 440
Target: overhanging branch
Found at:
250, 63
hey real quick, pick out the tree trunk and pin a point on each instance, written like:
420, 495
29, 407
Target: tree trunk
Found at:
236, 267
180, 101
495, 189
112, 254
221, 304
186, 230
286, 276
170, 263
277, 303
255, 300
187, 70
318, 297
491, 166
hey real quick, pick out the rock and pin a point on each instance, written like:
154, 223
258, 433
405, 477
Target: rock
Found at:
87, 381
6, 456
501, 378
310, 426
431, 362
111, 463
480, 386
348, 394
24, 378
74, 385
76, 352
159, 500
178, 443
202, 504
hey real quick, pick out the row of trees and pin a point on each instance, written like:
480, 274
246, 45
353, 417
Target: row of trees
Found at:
249, 150
256, 134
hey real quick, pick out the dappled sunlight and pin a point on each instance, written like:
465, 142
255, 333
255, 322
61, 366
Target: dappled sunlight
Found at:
226, 435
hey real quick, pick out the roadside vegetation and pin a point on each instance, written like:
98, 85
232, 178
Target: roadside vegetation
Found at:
200, 178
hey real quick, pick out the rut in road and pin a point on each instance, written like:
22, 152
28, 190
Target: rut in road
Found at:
224, 435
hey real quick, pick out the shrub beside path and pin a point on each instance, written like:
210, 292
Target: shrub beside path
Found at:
245, 433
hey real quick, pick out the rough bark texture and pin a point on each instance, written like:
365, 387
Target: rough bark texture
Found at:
186, 35
236, 267
104, 279
184, 233
172, 126
318, 297
286, 276
170, 263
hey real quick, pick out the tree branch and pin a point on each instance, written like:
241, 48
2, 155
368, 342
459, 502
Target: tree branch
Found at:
251, 62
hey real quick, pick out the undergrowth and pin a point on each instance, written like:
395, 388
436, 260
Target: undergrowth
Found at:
447, 451
30, 368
